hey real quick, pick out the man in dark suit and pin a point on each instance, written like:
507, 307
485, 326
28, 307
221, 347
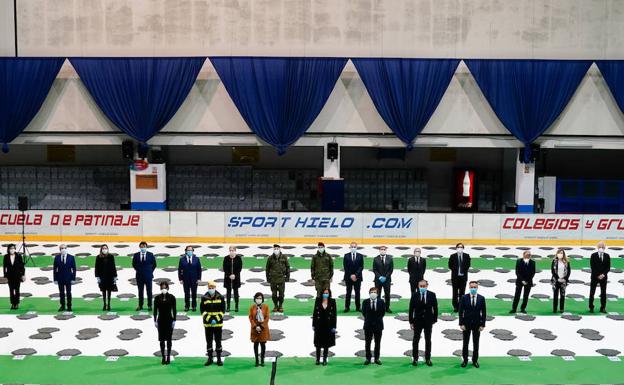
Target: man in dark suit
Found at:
472, 316
525, 271
458, 263
64, 275
144, 264
600, 263
353, 264
416, 267
14, 272
423, 313
373, 310
189, 274
383, 266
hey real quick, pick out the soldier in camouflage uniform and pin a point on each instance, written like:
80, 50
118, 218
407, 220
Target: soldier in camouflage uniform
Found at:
322, 269
277, 274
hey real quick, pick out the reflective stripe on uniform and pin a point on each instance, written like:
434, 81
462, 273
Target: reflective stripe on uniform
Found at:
213, 326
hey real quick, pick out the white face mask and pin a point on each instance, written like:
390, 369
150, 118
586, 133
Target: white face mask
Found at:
321, 250
63, 251
164, 291
104, 251
232, 254
417, 254
354, 249
601, 250
11, 251
373, 296
276, 251
560, 256
258, 301
460, 250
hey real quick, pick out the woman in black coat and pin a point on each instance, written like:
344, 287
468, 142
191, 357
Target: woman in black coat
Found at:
164, 319
106, 274
15, 273
324, 325
232, 266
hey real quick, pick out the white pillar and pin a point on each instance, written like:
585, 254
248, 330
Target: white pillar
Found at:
525, 185
331, 168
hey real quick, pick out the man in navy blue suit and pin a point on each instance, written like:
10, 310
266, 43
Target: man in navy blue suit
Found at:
64, 273
373, 310
189, 274
353, 264
144, 263
472, 316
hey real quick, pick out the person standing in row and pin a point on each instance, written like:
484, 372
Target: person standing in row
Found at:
106, 275
324, 325
144, 264
525, 271
259, 320
458, 263
277, 274
373, 310
383, 266
189, 274
353, 265
472, 317
416, 267
600, 263
15, 273
232, 267
322, 269
212, 309
423, 313
64, 275
560, 269
164, 320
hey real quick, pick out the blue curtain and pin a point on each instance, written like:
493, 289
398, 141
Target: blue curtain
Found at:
613, 73
24, 85
139, 95
406, 92
279, 98
528, 95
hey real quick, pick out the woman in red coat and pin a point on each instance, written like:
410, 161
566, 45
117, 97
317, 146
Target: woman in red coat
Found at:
259, 320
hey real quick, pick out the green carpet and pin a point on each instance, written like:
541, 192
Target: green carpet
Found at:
292, 307
302, 371
302, 263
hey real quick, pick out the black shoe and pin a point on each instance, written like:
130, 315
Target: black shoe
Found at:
378, 362
389, 311
62, 308
186, 308
512, 311
104, 308
108, 307
428, 362
236, 309
194, 309
357, 309
523, 311
219, 362
257, 363
475, 364
601, 310
138, 308
415, 362
69, 308
163, 361
591, 309
454, 310
227, 309
262, 362
346, 310
209, 361
168, 360
324, 362
317, 362
367, 362
464, 364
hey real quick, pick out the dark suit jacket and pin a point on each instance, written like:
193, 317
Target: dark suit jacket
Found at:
64, 272
416, 270
351, 267
13, 271
453, 264
599, 267
425, 314
524, 272
189, 273
383, 269
144, 270
373, 321
555, 275
472, 316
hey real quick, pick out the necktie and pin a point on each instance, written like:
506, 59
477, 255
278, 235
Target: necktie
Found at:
422, 298
473, 301
383, 259
373, 305
353, 257
63, 259
459, 258
189, 260
600, 257
142, 257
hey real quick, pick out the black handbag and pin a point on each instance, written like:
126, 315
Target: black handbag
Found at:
115, 289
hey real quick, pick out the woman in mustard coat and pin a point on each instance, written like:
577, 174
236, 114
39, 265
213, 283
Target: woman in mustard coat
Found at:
259, 320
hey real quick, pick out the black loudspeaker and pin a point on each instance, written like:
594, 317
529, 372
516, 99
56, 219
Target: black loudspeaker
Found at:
142, 151
22, 203
332, 151
127, 149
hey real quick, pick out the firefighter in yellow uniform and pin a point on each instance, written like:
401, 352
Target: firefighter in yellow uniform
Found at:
212, 308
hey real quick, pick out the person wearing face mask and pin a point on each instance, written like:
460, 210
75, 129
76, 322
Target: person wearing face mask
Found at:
353, 265
189, 274
458, 263
277, 274
373, 310
64, 273
15, 273
472, 317
560, 269
212, 309
416, 267
324, 325
144, 264
164, 320
106, 275
383, 266
600, 263
525, 271
423, 313
259, 320
322, 269
232, 267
